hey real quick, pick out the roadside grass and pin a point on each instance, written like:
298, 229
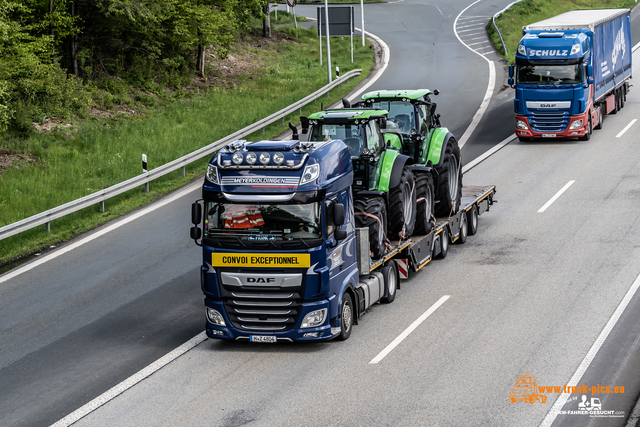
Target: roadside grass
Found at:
527, 12
284, 17
104, 152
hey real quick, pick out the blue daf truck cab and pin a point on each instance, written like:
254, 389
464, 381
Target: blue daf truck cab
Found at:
570, 70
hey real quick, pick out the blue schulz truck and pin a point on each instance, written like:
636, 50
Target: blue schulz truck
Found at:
282, 258
571, 70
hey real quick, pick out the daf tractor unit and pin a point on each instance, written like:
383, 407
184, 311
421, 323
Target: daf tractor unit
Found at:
282, 257
570, 71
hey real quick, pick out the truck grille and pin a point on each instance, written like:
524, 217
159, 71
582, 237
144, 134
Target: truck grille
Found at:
549, 121
263, 308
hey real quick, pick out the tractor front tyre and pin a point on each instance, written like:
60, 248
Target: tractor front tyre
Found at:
402, 207
425, 199
449, 191
372, 214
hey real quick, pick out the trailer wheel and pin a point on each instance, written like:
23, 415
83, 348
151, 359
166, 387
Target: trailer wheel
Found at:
444, 243
424, 194
587, 134
464, 229
402, 206
372, 213
600, 116
472, 220
346, 317
390, 274
449, 189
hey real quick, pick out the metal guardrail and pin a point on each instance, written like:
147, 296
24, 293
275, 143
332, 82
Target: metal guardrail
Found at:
504, 45
100, 196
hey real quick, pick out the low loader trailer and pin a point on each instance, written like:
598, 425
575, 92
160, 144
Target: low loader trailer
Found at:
282, 257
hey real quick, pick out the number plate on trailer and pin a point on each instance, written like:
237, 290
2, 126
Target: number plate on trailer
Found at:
548, 135
263, 338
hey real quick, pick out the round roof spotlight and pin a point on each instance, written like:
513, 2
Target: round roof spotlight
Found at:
264, 158
278, 158
237, 158
251, 158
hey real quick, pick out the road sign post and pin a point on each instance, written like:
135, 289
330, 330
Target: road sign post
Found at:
337, 21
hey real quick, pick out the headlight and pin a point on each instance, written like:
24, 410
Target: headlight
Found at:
522, 50
521, 125
251, 158
315, 318
264, 158
575, 49
310, 173
278, 158
212, 174
237, 157
215, 317
577, 124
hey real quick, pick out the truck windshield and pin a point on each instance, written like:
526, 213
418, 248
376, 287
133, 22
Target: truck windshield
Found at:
263, 222
352, 135
401, 114
549, 74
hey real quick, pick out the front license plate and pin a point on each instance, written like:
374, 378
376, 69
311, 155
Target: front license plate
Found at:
548, 135
263, 338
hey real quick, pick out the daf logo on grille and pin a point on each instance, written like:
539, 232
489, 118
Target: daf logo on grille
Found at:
547, 105
261, 280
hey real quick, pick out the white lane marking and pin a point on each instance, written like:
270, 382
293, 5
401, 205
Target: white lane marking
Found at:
554, 198
633, 49
410, 329
472, 29
436, 8
488, 94
480, 24
130, 382
487, 154
120, 223
582, 368
626, 128
485, 42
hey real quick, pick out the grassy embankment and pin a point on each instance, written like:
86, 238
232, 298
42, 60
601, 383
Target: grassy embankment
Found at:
71, 162
526, 12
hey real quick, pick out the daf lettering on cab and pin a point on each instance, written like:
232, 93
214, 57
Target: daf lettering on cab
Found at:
570, 71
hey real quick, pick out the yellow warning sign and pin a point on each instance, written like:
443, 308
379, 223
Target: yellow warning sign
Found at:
258, 260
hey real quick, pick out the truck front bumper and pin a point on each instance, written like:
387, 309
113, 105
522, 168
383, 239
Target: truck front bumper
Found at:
523, 128
323, 332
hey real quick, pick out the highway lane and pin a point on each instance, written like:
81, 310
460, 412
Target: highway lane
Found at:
97, 315
531, 292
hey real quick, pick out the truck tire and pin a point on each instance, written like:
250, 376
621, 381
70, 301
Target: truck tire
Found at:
587, 134
464, 229
390, 274
444, 244
600, 116
346, 317
402, 206
472, 220
449, 181
372, 213
425, 201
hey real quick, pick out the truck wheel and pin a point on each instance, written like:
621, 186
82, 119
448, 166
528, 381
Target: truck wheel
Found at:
587, 134
372, 213
600, 116
622, 98
346, 317
450, 181
424, 194
464, 229
524, 139
390, 274
444, 243
472, 220
402, 206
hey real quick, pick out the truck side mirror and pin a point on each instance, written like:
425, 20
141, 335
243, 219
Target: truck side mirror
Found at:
195, 233
590, 81
511, 71
510, 81
338, 214
589, 71
340, 234
196, 213
304, 122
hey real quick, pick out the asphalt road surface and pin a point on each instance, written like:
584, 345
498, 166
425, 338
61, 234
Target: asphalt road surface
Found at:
531, 292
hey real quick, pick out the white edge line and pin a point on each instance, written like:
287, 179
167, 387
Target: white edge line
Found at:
633, 49
410, 329
584, 365
488, 94
487, 153
65, 249
558, 194
626, 128
130, 382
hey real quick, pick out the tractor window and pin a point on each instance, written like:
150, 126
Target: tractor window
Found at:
352, 135
374, 137
401, 114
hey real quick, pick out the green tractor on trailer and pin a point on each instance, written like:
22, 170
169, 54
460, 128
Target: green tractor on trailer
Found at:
399, 172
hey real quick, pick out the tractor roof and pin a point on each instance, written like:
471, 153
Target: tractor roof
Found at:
348, 113
391, 94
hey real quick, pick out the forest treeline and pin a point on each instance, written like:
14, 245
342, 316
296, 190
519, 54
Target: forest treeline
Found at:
60, 57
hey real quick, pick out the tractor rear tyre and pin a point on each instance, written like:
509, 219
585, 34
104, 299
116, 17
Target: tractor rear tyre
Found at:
425, 199
449, 190
372, 213
402, 207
